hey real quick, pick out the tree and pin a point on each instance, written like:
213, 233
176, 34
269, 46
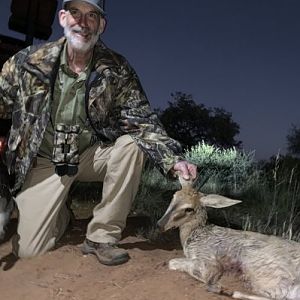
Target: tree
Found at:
190, 123
293, 140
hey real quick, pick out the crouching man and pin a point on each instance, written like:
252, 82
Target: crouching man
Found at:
78, 112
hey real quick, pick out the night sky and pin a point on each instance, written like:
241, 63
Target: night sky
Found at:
241, 55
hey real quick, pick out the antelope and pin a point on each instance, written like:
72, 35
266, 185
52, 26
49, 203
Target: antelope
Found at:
268, 265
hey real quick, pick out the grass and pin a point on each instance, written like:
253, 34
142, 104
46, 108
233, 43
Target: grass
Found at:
274, 203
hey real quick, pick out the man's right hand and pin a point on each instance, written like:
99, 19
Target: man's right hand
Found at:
187, 170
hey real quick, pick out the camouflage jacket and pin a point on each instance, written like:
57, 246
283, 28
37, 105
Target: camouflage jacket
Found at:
113, 93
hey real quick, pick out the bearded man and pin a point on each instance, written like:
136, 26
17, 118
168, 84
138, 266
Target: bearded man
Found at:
78, 112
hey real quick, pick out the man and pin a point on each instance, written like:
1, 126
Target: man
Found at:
78, 112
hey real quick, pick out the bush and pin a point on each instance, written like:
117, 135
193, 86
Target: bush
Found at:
227, 171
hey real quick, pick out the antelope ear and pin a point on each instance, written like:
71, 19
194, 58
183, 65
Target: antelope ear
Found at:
217, 201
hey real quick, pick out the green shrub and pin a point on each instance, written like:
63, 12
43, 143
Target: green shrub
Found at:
227, 171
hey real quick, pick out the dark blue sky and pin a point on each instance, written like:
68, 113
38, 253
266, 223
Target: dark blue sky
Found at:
242, 55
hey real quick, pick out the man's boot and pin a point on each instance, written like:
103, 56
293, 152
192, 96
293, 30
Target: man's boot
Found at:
107, 253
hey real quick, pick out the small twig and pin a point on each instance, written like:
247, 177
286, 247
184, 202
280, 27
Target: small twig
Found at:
42, 285
117, 285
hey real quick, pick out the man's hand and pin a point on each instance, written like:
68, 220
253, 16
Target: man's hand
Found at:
187, 170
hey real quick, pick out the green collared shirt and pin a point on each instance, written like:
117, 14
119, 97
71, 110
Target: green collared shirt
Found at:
68, 105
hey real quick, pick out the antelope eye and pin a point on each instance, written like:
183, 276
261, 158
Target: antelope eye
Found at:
188, 210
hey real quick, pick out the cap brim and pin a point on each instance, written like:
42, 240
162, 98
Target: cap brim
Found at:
102, 12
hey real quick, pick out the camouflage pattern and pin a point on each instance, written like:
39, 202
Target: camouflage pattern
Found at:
65, 146
113, 94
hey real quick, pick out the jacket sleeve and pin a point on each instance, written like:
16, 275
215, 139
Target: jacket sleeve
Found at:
8, 94
8, 88
146, 129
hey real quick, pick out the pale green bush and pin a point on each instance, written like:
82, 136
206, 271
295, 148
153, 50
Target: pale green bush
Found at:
223, 170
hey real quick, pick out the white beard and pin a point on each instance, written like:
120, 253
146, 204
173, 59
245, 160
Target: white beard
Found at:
77, 43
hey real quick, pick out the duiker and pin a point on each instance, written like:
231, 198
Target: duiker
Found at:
269, 265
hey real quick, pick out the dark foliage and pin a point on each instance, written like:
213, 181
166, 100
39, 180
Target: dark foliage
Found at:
282, 168
293, 140
191, 123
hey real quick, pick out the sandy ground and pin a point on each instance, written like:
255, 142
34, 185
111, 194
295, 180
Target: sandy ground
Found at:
65, 273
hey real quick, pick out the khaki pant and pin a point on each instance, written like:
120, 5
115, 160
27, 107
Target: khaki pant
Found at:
43, 215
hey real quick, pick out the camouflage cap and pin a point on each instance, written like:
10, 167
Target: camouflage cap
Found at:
99, 4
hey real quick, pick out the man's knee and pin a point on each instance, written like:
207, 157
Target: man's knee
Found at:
127, 143
125, 140
120, 155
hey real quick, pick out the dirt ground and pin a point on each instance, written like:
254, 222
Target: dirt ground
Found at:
65, 273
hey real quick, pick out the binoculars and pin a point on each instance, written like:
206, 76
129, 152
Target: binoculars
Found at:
65, 154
